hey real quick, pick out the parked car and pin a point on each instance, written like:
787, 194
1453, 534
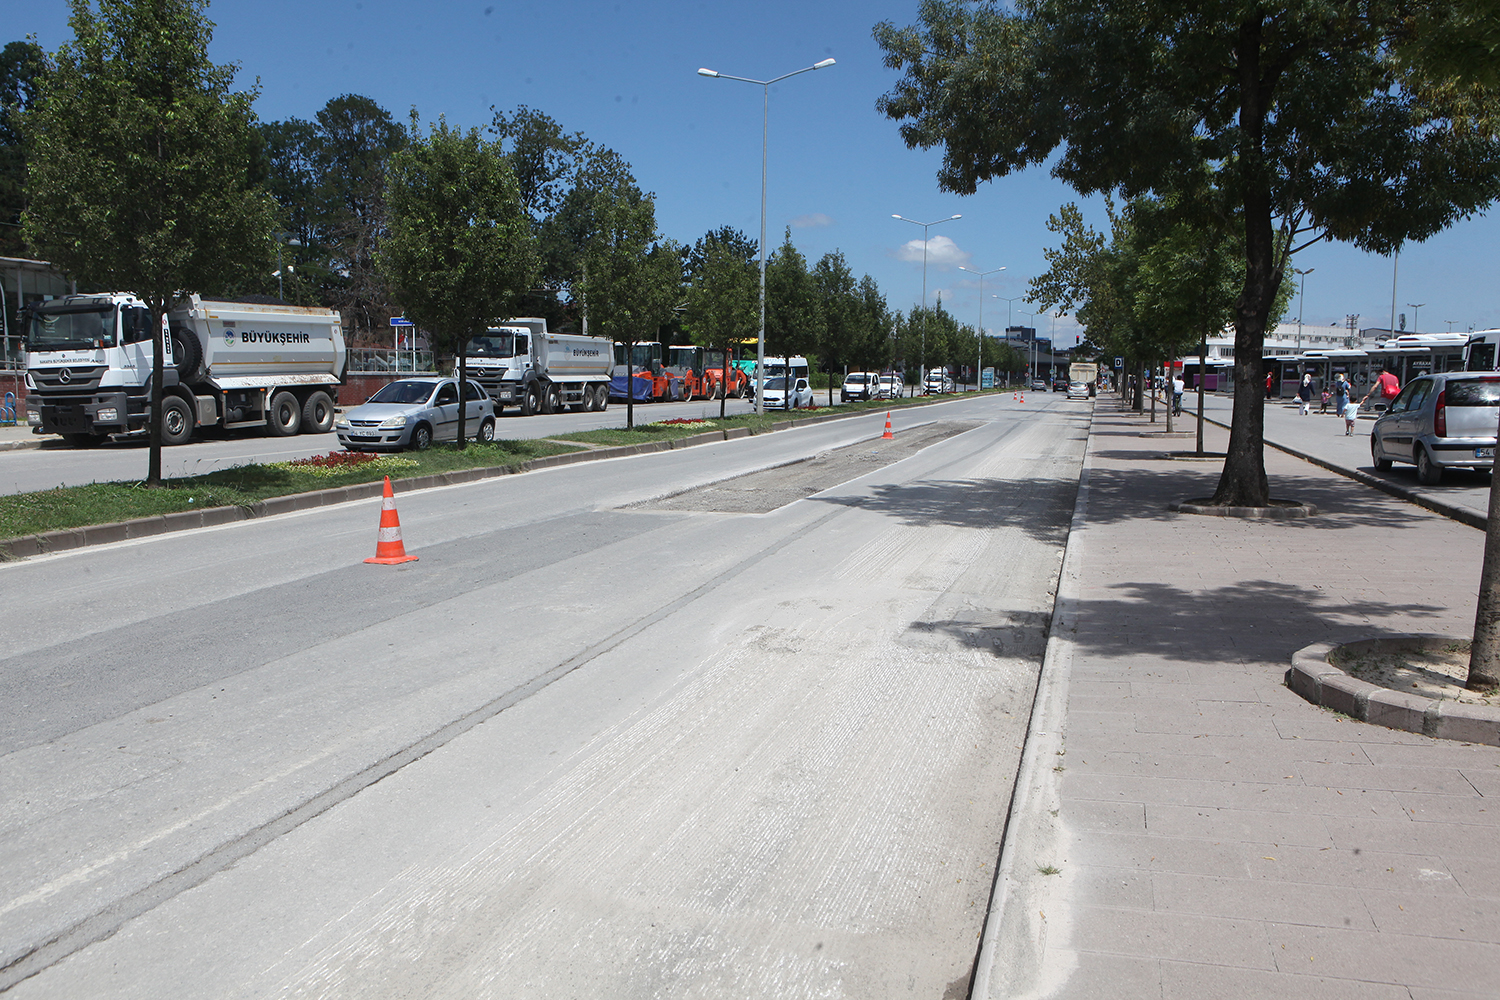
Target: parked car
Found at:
1039, 385
1078, 390
937, 380
415, 412
859, 385
777, 398
889, 386
1440, 421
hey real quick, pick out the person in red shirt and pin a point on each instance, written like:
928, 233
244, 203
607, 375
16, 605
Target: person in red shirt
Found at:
1270, 382
1383, 388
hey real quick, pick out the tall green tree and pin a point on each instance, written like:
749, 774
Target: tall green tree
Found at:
632, 275
840, 306
1305, 115
137, 172
459, 251
723, 296
793, 318
21, 66
873, 344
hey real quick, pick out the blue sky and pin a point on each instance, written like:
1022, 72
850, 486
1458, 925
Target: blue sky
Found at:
625, 74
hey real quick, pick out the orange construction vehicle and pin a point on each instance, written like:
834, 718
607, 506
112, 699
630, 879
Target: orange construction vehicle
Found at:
702, 372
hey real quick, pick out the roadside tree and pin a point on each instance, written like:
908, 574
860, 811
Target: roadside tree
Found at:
137, 173
793, 316
21, 64
458, 252
1312, 126
840, 306
723, 295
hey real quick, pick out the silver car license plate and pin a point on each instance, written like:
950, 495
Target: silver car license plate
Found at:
1484, 452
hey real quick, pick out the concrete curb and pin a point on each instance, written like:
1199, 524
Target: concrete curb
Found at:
145, 527
1013, 941
1460, 514
1313, 677
1282, 513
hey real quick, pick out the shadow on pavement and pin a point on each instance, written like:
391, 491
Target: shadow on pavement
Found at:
1043, 508
1254, 620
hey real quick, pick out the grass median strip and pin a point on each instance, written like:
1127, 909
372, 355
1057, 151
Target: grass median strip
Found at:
24, 514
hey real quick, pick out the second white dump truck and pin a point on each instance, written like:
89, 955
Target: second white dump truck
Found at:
520, 364
227, 364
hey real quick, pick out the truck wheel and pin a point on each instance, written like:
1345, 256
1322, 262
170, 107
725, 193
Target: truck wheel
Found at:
421, 437
602, 398
530, 402
317, 414
285, 415
187, 352
552, 400
589, 403
176, 422
486, 432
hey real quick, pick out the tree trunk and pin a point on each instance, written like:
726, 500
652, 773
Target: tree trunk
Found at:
153, 415
463, 385
1202, 374
1484, 654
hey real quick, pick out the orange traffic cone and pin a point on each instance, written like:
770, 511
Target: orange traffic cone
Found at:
887, 436
388, 547
1023, 397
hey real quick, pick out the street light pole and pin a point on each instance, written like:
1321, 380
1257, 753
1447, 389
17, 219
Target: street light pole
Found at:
1301, 292
765, 127
925, 226
1414, 306
978, 384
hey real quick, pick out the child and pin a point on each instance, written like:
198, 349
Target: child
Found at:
1351, 414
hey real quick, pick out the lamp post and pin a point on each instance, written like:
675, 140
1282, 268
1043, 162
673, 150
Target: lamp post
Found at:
293, 242
1301, 292
978, 383
1414, 306
765, 85
925, 226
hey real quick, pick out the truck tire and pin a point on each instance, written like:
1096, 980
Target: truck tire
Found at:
187, 352
284, 416
552, 400
176, 422
530, 401
601, 397
588, 399
317, 414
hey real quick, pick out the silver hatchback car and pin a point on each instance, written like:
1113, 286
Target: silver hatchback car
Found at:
1440, 421
413, 413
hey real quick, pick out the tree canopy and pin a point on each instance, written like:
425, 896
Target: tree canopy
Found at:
1300, 117
459, 251
137, 173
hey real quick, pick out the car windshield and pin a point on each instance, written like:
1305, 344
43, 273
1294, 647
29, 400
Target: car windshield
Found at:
494, 344
1473, 392
855, 380
776, 383
403, 392
71, 329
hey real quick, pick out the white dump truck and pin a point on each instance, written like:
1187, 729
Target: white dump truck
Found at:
520, 364
228, 364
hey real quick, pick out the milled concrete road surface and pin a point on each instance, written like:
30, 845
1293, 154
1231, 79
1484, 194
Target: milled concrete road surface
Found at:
582, 748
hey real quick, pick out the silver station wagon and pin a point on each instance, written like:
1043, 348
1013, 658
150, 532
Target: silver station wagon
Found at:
413, 413
1440, 421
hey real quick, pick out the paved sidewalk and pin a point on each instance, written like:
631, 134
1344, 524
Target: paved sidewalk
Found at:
1212, 834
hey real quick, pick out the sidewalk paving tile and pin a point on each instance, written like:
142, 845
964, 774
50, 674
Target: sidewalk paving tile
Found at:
1220, 836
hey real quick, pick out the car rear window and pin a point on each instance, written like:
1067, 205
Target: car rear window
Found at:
1473, 392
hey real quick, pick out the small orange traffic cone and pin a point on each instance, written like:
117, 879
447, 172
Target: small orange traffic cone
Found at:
887, 436
388, 547
1023, 397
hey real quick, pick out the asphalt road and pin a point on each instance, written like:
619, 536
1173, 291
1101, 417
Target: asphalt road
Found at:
55, 464
649, 726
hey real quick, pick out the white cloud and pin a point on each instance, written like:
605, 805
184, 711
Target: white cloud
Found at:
817, 220
941, 252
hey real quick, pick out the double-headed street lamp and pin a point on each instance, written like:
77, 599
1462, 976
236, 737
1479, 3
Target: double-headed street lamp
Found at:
925, 226
1301, 295
760, 348
978, 382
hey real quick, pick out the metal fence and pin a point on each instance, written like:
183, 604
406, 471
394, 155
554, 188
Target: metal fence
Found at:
378, 361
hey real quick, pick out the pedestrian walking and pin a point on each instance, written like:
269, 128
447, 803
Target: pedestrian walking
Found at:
1341, 393
1305, 394
1351, 414
1385, 387
1177, 386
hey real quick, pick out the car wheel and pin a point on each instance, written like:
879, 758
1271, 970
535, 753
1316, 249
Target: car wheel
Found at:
1429, 473
176, 422
1381, 462
285, 416
421, 437
486, 430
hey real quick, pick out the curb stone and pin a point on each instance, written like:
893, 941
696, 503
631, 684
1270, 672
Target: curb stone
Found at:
1317, 680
